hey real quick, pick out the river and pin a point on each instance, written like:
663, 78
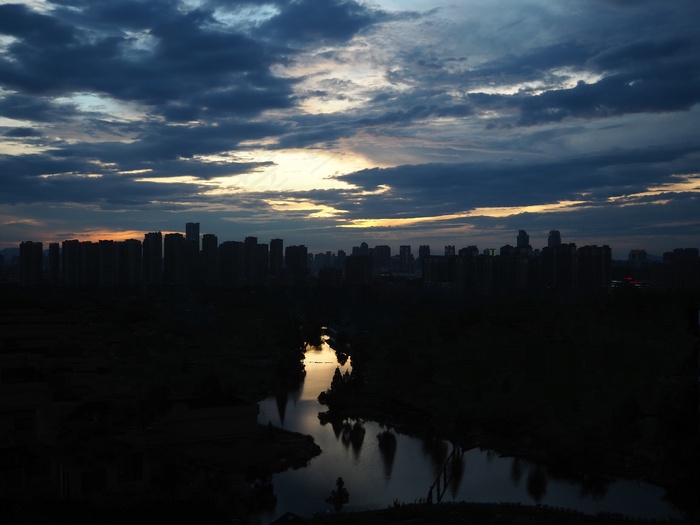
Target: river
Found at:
376, 477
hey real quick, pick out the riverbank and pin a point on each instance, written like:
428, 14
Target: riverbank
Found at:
474, 514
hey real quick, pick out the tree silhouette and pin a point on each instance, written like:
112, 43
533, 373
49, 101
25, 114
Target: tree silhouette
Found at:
339, 496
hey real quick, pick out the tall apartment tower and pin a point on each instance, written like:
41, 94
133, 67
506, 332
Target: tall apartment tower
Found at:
405, 258
192, 233
89, 263
276, 258
250, 259
523, 248
295, 260
210, 266
523, 239
153, 258
381, 259
230, 261
554, 239
192, 272
31, 263
423, 254
108, 272
54, 263
130, 265
174, 257
70, 262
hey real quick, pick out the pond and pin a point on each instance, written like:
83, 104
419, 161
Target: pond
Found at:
377, 476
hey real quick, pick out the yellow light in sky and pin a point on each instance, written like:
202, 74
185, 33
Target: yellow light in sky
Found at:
294, 170
685, 184
499, 212
182, 179
319, 210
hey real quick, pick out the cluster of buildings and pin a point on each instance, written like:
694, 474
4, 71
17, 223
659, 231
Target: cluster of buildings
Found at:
191, 259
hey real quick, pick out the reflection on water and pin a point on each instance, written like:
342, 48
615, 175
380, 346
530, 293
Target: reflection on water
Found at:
353, 434
537, 483
516, 471
457, 473
377, 472
282, 397
436, 451
387, 449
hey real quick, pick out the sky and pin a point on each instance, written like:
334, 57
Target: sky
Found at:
330, 123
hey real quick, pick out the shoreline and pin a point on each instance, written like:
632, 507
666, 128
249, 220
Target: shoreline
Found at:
637, 469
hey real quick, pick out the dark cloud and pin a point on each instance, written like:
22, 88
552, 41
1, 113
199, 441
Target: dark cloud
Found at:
36, 29
189, 59
453, 188
36, 109
641, 52
310, 20
22, 133
671, 87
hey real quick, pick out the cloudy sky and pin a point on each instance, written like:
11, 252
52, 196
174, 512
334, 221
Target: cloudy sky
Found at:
329, 122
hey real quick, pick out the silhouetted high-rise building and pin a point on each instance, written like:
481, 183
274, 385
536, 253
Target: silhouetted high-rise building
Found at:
593, 268
637, 258
191, 265
340, 260
153, 258
276, 258
559, 267
108, 275
683, 267
250, 259
406, 259
89, 263
54, 263
423, 252
449, 250
262, 263
31, 263
467, 269
70, 263
469, 251
210, 259
231, 262
295, 262
320, 261
130, 262
174, 258
554, 239
439, 269
523, 239
523, 248
381, 259
192, 233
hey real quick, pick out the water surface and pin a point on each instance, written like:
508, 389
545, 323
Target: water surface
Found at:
376, 477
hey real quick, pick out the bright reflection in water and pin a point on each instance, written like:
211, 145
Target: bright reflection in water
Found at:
378, 471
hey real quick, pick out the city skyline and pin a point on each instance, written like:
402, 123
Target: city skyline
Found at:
330, 122
395, 250
519, 238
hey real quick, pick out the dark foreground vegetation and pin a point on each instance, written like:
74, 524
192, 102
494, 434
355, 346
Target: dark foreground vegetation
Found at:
595, 389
